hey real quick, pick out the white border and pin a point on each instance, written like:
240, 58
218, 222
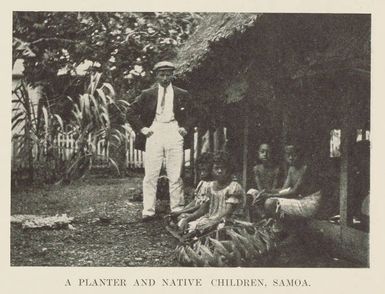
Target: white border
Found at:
52, 279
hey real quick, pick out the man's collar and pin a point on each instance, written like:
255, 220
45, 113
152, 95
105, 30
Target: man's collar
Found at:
168, 87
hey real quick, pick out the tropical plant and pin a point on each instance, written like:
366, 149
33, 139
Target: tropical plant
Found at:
33, 132
234, 244
91, 123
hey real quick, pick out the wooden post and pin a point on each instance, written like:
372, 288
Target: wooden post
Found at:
215, 140
220, 138
347, 141
211, 140
285, 127
245, 147
192, 160
199, 142
282, 103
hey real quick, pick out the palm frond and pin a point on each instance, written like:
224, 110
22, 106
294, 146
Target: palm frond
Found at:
110, 88
17, 116
46, 119
17, 122
60, 121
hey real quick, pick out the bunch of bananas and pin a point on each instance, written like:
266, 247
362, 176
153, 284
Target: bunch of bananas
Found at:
237, 244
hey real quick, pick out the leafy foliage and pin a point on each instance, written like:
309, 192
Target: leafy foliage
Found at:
35, 131
90, 123
82, 61
122, 45
237, 244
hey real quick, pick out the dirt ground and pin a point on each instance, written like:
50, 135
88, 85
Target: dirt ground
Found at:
125, 241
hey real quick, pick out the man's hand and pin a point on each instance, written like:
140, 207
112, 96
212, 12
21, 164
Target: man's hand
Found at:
147, 132
182, 132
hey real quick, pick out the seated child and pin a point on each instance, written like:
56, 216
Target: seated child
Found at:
298, 196
266, 180
205, 166
226, 198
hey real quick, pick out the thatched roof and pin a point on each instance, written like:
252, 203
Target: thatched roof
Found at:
345, 39
228, 51
213, 28
347, 46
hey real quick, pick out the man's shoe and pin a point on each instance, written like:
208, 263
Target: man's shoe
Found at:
148, 218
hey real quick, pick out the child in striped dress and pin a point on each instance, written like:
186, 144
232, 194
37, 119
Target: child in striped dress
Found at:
226, 198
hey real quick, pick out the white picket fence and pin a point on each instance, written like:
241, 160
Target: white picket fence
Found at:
65, 145
134, 157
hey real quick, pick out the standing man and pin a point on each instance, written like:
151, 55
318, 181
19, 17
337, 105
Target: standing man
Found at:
161, 118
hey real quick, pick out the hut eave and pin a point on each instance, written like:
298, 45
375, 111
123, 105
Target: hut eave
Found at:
212, 29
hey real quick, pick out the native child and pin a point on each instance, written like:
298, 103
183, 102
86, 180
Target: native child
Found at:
266, 176
226, 198
299, 196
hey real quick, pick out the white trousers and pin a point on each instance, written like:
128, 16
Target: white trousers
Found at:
165, 143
